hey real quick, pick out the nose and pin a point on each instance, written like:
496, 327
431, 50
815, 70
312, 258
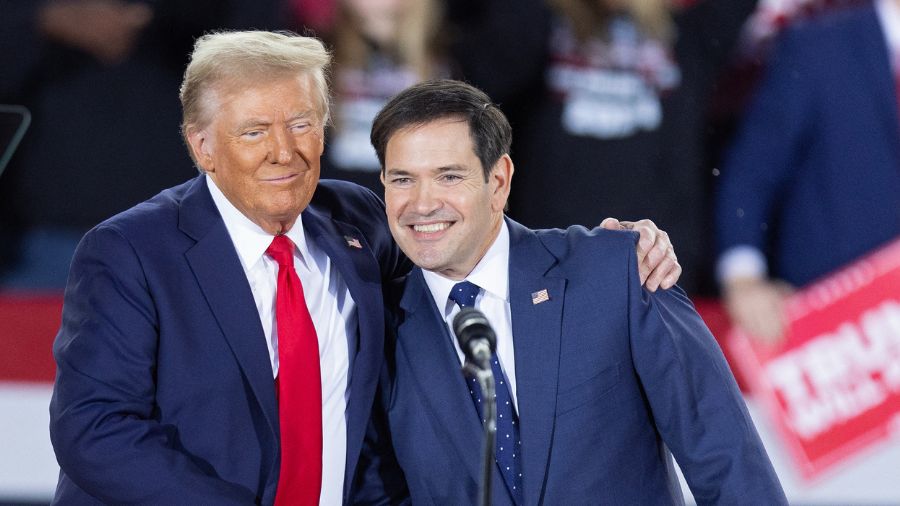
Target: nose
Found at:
425, 199
281, 148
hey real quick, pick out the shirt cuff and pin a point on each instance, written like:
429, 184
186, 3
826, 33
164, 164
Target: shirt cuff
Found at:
741, 262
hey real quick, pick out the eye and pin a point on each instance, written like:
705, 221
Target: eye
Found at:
252, 134
401, 181
301, 127
450, 178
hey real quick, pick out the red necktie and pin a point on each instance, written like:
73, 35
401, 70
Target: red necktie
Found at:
299, 386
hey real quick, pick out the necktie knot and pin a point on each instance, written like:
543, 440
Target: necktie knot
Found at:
282, 251
464, 293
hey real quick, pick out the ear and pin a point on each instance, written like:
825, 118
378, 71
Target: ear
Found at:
201, 146
500, 180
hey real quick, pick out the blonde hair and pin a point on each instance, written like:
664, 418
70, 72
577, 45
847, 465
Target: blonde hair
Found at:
415, 44
249, 56
589, 18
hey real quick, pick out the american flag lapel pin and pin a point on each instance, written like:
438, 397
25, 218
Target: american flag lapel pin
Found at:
353, 242
540, 296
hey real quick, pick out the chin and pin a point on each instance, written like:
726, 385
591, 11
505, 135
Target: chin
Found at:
427, 262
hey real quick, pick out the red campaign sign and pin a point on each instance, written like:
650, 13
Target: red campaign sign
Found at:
833, 386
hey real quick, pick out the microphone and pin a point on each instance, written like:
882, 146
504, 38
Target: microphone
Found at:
477, 340
475, 336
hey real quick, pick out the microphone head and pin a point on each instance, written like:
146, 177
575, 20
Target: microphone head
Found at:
471, 323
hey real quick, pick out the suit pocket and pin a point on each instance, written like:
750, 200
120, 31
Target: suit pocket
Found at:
588, 390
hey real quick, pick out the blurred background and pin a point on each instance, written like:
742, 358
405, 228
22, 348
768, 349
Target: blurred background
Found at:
762, 135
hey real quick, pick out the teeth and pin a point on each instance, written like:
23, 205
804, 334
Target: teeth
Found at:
431, 228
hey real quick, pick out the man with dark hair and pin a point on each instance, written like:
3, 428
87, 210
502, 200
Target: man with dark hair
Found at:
490, 131
597, 379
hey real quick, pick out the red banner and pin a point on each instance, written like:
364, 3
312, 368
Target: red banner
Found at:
833, 386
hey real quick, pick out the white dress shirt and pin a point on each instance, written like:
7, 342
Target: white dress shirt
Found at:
333, 313
889, 16
492, 275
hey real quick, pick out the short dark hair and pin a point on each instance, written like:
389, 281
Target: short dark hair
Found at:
442, 99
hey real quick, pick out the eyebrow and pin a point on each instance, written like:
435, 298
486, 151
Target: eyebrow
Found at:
255, 122
440, 170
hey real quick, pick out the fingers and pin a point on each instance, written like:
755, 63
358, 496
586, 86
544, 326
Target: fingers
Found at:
672, 277
666, 273
611, 224
658, 266
644, 243
659, 263
649, 235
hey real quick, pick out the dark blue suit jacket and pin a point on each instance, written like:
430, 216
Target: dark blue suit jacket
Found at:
608, 376
164, 391
814, 173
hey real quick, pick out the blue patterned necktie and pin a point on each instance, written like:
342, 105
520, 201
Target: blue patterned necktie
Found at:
507, 451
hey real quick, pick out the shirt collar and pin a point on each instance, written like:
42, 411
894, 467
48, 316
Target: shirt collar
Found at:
889, 16
249, 239
491, 274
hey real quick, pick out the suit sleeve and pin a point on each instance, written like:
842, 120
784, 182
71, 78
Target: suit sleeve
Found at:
695, 402
103, 419
768, 144
379, 477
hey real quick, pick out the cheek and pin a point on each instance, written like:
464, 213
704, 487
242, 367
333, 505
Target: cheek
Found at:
391, 203
241, 161
313, 144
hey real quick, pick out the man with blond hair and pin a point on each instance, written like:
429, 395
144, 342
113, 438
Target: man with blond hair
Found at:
220, 342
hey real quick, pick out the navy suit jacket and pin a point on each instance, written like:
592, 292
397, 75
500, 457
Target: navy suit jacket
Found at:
164, 391
608, 376
813, 177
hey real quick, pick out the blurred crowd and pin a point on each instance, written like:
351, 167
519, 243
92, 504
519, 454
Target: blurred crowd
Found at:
763, 136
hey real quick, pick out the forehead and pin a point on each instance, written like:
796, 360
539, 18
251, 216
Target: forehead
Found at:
436, 143
243, 96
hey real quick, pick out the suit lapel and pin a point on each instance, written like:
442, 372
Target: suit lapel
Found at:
870, 47
361, 273
424, 340
536, 327
218, 270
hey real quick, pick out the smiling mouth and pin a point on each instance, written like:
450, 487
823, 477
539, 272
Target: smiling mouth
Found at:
431, 228
280, 179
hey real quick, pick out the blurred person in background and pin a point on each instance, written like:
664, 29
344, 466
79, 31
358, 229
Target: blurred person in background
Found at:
100, 78
381, 47
818, 150
613, 95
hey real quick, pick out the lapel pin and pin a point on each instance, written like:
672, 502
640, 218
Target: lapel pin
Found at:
353, 242
540, 296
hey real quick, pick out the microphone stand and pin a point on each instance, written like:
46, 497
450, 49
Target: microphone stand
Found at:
489, 410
